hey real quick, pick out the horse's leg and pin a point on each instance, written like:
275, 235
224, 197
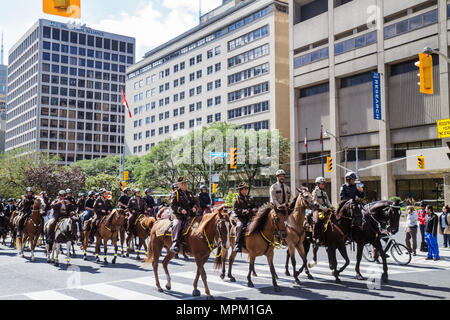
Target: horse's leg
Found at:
85, 244
105, 250
286, 266
196, 292
223, 259
138, 256
379, 248
114, 242
122, 239
359, 251
230, 266
291, 254
128, 240
250, 269
97, 249
58, 248
165, 264
157, 248
304, 255
343, 251
200, 264
269, 256
68, 244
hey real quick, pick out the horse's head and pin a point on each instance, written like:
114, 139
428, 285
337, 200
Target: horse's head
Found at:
75, 225
119, 216
223, 225
279, 219
38, 204
393, 214
305, 199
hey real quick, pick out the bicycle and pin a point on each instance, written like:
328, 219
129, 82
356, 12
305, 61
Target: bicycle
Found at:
399, 252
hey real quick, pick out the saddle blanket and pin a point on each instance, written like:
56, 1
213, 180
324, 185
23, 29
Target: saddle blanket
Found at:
164, 227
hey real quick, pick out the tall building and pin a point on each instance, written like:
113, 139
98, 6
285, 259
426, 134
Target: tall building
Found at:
232, 67
64, 91
3, 90
335, 47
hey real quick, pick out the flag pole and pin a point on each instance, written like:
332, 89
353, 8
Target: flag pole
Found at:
321, 151
307, 162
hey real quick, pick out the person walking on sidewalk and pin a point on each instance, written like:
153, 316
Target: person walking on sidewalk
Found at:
421, 216
431, 226
411, 229
444, 225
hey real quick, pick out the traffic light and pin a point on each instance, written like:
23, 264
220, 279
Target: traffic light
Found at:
125, 175
425, 65
214, 187
233, 158
329, 164
421, 162
64, 8
124, 184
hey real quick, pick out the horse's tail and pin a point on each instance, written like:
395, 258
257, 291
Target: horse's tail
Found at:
18, 242
218, 260
150, 250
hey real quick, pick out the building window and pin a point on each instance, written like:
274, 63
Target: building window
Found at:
400, 149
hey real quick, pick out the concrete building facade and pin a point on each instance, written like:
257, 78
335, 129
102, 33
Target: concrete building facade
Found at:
233, 67
64, 91
335, 47
3, 90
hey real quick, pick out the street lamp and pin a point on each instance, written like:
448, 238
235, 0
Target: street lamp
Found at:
345, 149
428, 50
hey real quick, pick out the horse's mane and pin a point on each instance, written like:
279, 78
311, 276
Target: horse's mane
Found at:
259, 220
204, 222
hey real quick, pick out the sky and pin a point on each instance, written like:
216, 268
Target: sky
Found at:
151, 22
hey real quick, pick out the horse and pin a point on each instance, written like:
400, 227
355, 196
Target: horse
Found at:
32, 228
296, 232
198, 241
376, 217
4, 227
104, 233
141, 229
266, 231
67, 231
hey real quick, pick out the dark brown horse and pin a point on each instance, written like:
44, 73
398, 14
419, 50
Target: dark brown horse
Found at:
266, 232
199, 241
32, 228
105, 232
141, 230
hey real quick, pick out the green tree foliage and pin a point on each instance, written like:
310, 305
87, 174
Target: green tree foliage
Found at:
109, 182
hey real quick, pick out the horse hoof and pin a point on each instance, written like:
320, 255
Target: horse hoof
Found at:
56, 264
310, 277
209, 298
196, 293
277, 289
85, 258
276, 276
255, 275
113, 261
168, 287
49, 261
385, 279
33, 259
105, 263
232, 279
287, 273
297, 282
359, 277
160, 290
338, 281
250, 284
222, 276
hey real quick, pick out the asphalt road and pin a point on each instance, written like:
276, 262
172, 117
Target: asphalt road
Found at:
86, 280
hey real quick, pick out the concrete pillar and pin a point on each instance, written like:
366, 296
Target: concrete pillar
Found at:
336, 175
443, 64
387, 181
447, 189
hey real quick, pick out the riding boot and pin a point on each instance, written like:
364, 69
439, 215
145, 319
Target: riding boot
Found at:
239, 233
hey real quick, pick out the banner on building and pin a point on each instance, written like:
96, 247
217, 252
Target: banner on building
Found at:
376, 83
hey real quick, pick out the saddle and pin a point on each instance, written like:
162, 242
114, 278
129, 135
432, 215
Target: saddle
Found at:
165, 227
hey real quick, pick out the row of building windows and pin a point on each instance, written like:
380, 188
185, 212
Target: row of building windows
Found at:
364, 154
70, 147
12, 113
248, 110
105, 76
408, 25
97, 96
99, 65
230, 28
20, 137
23, 83
248, 56
88, 126
73, 136
17, 68
400, 149
80, 115
21, 122
248, 38
261, 125
248, 74
25, 45
91, 41
248, 92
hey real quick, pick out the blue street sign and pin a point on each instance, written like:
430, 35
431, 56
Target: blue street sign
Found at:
376, 83
218, 154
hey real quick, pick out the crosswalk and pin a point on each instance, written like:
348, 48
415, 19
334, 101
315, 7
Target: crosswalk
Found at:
143, 288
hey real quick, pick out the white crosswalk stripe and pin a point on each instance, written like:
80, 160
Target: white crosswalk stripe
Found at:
117, 292
48, 295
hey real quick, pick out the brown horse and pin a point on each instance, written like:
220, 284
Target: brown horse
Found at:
105, 232
32, 228
266, 232
141, 230
199, 242
296, 232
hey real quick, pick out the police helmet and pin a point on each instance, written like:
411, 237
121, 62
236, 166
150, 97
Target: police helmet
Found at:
147, 190
91, 193
30, 189
280, 172
350, 176
68, 191
320, 180
62, 193
203, 187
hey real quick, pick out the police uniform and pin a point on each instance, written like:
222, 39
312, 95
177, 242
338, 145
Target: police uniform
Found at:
181, 200
321, 200
26, 204
72, 206
150, 203
81, 205
136, 206
102, 207
60, 211
244, 208
280, 194
124, 199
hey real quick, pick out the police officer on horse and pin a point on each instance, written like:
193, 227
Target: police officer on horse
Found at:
25, 205
349, 190
184, 207
150, 201
61, 207
325, 209
102, 208
124, 199
137, 206
280, 193
245, 208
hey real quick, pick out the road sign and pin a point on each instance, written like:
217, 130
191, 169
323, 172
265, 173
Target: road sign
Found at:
443, 128
64, 8
215, 178
376, 85
218, 154
125, 175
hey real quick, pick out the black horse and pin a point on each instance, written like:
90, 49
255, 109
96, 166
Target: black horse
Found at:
4, 227
375, 218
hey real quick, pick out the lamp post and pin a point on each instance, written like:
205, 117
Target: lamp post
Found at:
428, 50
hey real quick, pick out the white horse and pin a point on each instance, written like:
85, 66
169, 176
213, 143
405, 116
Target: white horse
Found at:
66, 231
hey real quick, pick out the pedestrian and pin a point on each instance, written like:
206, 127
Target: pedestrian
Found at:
421, 216
411, 229
431, 226
444, 225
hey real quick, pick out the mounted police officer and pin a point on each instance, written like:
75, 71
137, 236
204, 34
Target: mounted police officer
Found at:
124, 199
102, 208
325, 208
204, 198
280, 193
137, 206
10, 208
25, 205
184, 206
89, 206
150, 202
81, 203
245, 208
349, 190
47, 202
72, 206
60, 208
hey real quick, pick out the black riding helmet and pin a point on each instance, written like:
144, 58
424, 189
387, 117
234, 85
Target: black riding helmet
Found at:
91, 193
350, 176
147, 190
30, 189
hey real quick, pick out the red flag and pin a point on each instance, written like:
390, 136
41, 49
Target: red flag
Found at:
321, 137
125, 103
306, 143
